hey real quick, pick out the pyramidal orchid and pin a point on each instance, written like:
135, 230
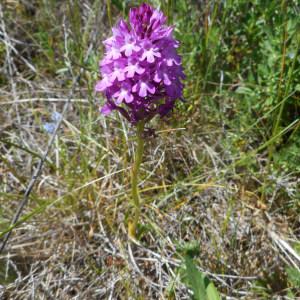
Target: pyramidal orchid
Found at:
141, 77
141, 70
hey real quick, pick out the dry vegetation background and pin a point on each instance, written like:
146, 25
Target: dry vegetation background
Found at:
220, 180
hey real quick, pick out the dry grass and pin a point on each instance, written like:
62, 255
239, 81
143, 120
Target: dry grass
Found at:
72, 242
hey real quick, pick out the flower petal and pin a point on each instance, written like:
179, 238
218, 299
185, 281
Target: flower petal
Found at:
106, 109
143, 89
102, 84
128, 98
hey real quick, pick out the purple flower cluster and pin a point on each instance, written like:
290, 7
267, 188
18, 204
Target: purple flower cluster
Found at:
141, 70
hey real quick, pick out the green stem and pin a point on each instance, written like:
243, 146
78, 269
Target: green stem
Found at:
170, 11
135, 177
108, 6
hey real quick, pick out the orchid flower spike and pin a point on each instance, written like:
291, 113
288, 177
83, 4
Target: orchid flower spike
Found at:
141, 70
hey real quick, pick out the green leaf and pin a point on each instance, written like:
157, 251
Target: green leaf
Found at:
293, 276
212, 293
195, 279
202, 287
245, 91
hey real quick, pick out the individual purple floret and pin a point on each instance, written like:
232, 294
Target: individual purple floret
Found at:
141, 70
